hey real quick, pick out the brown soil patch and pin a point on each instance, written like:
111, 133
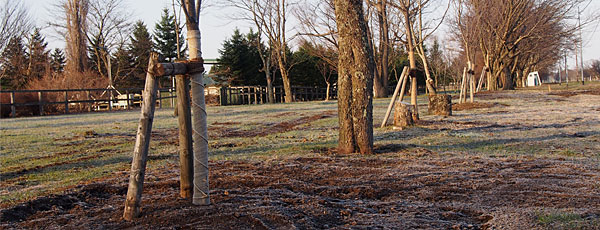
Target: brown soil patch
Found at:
570, 93
474, 105
221, 130
331, 192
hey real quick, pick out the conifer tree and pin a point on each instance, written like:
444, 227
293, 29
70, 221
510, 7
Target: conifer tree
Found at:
57, 61
140, 48
165, 38
13, 65
39, 61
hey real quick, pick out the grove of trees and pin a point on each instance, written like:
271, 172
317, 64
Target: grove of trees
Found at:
102, 46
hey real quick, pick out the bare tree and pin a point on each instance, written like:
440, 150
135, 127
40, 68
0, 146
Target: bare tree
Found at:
270, 18
72, 24
15, 21
108, 28
508, 34
355, 79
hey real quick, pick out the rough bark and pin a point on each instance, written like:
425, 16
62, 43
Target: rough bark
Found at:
142, 145
186, 158
355, 79
440, 104
403, 115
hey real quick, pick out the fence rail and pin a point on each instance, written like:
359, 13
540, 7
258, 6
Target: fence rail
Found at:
15, 103
65, 101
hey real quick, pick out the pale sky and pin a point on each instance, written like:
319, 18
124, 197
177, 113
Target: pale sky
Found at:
216, 27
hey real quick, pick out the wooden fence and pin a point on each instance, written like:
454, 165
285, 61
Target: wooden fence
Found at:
15, 103
65, 101
246, 95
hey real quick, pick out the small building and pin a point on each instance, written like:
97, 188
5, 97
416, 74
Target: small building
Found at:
533, 79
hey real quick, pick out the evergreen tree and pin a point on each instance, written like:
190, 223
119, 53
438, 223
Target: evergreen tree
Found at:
165, 38
39, 61
306, 72
140, 48
13, 65
57, 61
240, 61
124, 68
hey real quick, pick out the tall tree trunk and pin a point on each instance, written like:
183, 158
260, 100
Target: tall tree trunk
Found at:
355, 79
287, 87
76, 15
270, 93
381, 81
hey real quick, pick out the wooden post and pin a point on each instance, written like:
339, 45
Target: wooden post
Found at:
66, 102
159, 99
89, 98
186, 157
41, 103
128, 99
393, 100
13, 109
142, 144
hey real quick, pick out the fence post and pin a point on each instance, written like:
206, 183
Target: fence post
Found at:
13, 112
66, 102
128, 99
89, 98
222, 96
41, 103
159, 99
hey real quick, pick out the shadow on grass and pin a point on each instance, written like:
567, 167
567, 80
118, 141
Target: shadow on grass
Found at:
84, 162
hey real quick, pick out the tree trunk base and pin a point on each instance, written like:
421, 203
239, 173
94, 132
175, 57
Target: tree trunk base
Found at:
440, 104
403, 115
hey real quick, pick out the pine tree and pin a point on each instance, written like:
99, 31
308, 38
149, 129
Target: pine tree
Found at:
39, 63
240, 61
140, 48
13, 65
165, 38
57, 61
124, 68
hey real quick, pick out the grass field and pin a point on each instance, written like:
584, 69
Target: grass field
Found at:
523, 133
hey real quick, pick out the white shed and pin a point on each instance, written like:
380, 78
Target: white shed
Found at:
533, 79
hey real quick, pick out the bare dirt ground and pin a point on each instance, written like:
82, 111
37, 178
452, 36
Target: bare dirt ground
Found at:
514, 160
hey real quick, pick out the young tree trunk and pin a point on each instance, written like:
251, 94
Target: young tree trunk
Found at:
411, 57
270, 93
287, 87
200, 137
327, 92
355, 79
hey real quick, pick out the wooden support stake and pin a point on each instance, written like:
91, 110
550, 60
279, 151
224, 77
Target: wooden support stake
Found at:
462, 84
393, 100
186, 157
142, 144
